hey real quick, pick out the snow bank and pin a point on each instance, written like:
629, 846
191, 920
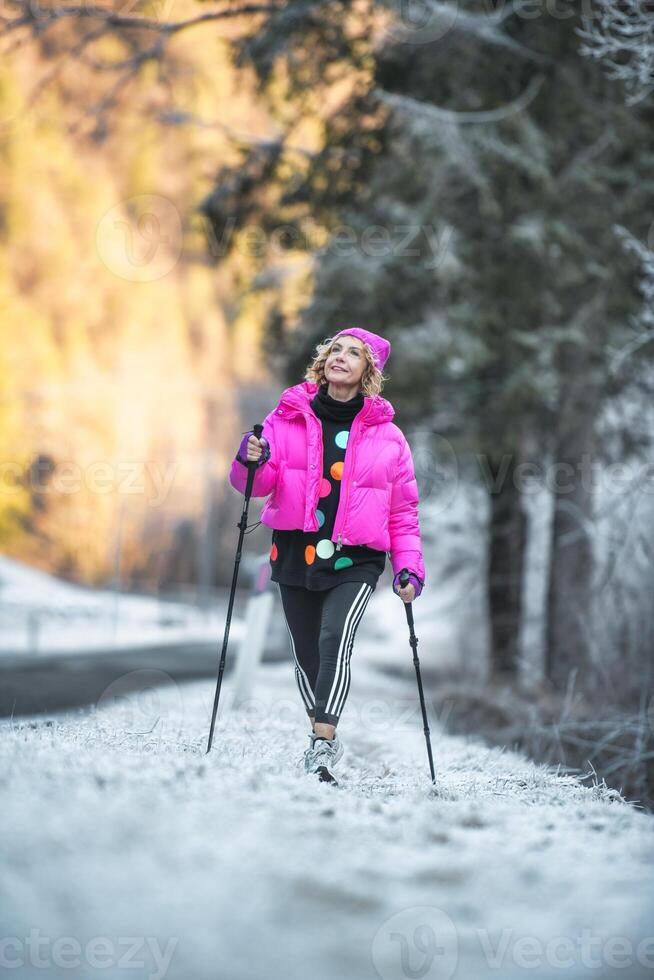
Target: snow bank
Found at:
42, 614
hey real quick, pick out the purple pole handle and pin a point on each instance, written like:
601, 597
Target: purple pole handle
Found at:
252, 464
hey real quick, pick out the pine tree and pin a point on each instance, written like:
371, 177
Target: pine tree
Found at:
502, 145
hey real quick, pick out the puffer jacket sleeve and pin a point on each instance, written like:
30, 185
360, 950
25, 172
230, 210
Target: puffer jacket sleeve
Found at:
403, 524
265, 476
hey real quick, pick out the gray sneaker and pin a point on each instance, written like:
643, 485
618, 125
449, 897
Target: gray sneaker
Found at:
321, 756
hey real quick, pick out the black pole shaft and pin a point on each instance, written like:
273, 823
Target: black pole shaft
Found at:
413, 640
257, 430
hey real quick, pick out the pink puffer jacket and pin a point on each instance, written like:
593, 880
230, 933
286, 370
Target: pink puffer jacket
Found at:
379, 495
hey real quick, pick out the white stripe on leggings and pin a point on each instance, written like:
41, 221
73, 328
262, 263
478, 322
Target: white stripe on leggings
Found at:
342, 663
342, 695
300, 676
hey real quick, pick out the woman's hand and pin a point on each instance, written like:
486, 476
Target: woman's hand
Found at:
408, 593
411, 590
255, 449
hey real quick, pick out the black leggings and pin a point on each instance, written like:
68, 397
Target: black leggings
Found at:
322, 625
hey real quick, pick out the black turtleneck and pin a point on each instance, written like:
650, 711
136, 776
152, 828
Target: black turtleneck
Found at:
309, 558
326, 407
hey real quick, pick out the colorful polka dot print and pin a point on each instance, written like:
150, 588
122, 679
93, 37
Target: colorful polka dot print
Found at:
325, 549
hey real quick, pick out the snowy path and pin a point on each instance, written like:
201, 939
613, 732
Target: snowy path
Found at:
235, 867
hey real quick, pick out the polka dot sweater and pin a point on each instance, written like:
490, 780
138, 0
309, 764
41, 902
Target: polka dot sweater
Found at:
309, 558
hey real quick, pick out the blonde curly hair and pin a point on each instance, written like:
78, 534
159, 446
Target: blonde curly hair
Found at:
372, 381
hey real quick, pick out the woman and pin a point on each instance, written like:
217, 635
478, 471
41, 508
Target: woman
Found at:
329, 545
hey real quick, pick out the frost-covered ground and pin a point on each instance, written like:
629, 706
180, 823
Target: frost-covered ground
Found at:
126, 852
123, 844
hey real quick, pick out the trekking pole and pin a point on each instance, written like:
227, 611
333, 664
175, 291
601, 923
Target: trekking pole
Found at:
413, 640
252, 465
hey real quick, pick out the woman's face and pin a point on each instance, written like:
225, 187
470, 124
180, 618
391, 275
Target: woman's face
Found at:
346, 361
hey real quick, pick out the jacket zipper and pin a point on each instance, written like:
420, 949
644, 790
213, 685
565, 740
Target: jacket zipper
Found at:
320, 465
338, 541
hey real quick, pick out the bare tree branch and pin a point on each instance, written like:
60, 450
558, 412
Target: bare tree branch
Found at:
621, 33
44, 18
405, 103
145, 40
